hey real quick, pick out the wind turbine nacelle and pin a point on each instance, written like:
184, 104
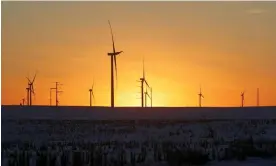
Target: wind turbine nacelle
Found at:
116, 53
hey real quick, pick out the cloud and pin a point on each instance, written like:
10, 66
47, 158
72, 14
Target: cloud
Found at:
256, 11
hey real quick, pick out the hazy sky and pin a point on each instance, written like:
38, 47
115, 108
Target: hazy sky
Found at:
227, 47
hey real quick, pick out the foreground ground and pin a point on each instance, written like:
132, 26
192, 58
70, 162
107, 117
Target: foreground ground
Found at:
137, 142
82, 136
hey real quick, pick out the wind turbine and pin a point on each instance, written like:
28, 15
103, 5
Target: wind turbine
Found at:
143, 80
242, 98
113, 58
91, 94
200, 96
23, 101
30, 89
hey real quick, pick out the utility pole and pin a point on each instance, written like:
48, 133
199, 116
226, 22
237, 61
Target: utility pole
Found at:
57, 91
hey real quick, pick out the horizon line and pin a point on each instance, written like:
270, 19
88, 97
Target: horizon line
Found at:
138, 106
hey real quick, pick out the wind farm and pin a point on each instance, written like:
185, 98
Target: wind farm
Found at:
145, 92
205, 73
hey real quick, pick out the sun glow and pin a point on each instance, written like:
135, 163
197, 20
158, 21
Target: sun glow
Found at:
179, 55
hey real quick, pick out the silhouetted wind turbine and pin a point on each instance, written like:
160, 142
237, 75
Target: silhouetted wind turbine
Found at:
91, 94
200, 96
143, 80
31, 89
23, 101
113, 58
142, 85
242, 99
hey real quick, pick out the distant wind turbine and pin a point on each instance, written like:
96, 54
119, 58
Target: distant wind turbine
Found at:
91, 94
113, 58
23, 101
30, 89
143, 80
200, 95
242, 99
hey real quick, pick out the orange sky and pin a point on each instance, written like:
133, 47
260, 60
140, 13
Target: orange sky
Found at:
227, 47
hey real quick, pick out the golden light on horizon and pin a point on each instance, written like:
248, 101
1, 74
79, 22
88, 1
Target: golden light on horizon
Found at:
226, 51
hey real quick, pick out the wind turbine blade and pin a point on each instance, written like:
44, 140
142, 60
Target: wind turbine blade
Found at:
115, 69
34, 78
146, 83
112, 37
28, 79
32, 89
93, 94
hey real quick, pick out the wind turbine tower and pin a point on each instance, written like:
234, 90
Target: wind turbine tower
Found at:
28, 95
200, 95
23, 101
242, 99
113, 60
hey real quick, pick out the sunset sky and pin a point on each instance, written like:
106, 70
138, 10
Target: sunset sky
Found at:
226, 47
